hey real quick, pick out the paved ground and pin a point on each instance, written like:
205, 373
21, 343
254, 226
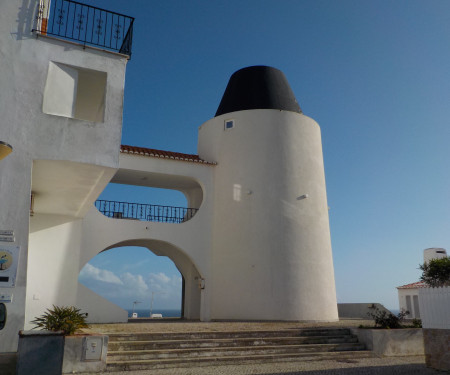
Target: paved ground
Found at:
414, 365
177, 325
411, 365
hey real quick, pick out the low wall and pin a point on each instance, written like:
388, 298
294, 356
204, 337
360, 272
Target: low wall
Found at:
358, 310
434, 307
85, 353
437, 348
392, 342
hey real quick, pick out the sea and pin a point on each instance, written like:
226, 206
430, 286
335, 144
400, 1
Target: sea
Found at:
166, 313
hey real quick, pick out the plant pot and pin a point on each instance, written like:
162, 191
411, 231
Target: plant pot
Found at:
40, 353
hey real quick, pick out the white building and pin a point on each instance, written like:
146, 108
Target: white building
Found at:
408, 295
256, 243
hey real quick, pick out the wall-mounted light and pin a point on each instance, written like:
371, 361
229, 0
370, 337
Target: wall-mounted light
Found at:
32, 204
304, 196
5, 149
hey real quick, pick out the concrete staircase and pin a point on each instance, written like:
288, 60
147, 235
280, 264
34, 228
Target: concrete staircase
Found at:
139, 351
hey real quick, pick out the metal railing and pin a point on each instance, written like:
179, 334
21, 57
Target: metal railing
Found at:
86, 24
145, 212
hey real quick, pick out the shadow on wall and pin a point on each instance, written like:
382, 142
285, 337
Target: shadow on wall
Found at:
26, 19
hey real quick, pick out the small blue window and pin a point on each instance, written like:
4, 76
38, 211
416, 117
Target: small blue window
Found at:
229, 124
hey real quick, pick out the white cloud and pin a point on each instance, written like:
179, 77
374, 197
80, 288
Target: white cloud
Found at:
134, 283
158, 278
90, 272
125, 288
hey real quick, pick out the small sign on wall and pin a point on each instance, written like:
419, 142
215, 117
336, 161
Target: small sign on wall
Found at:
9, 257
6, 236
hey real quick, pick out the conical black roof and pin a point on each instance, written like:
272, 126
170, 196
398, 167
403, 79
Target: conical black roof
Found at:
258, 87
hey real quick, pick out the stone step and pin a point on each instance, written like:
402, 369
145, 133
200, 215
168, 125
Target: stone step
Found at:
139, 351
226, 334
222, 360
243, 351
228, 342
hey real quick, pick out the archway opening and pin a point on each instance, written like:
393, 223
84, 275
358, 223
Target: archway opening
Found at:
144, 195
136, 280
175, 286
133, 202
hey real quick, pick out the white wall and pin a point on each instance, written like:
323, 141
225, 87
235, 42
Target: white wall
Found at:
60, 90
271, 249
435, 307
98, 308
54, 249
182, 243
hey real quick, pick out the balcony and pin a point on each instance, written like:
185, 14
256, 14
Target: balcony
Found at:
85, 24
145, 212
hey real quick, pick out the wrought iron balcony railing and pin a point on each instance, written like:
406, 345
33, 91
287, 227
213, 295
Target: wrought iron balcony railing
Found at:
85, 24
145, 212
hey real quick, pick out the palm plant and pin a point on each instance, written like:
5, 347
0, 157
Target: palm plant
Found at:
66, 318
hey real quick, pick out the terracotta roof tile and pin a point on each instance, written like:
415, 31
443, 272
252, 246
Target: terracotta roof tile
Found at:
419, 284
163, 154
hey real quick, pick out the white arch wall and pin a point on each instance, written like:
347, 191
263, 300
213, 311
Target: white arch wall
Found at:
60, 246
177, 241
58, 242
271, 250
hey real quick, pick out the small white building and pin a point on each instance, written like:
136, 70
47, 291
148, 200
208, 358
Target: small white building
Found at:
408, 299
408, 295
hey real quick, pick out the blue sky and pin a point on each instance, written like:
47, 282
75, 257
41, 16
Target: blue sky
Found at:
375, 76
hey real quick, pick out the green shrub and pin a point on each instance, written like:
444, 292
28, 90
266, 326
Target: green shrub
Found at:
436, 272
66, 318
384, 319
417, 323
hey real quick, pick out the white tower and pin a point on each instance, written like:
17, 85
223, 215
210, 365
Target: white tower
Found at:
434, 253
271, 248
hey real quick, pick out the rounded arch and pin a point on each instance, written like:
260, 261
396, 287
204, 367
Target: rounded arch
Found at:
162, 248
191, 277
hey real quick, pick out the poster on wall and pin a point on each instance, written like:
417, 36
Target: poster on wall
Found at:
9, 255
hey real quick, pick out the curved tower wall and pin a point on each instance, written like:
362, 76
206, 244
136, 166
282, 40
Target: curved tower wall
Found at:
271, 255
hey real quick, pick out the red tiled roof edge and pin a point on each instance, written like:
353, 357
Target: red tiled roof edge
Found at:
163, 154
418, 284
